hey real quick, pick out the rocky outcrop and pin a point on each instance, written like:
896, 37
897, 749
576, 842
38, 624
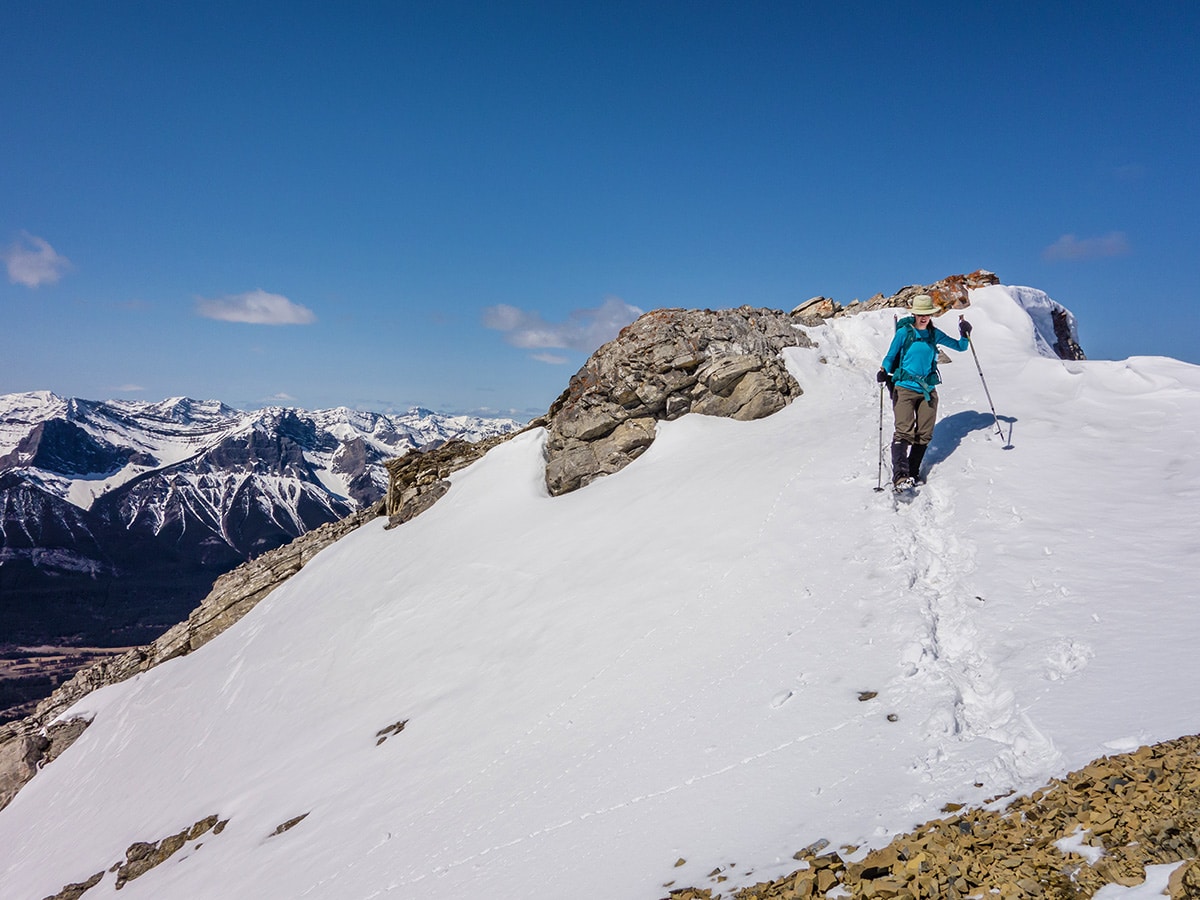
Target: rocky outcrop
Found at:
418, 480
288, 825
143, 856
949, 293
667, 363
1102, 824
77, 889
29, 744
1065, 344
819, 308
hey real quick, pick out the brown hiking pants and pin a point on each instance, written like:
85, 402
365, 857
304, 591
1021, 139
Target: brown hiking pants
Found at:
914, 415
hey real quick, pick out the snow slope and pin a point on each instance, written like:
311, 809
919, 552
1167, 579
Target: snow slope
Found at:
669, 663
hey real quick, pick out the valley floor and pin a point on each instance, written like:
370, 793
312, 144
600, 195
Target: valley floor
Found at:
30, 674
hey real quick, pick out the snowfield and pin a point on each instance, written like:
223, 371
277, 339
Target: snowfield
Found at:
728, 651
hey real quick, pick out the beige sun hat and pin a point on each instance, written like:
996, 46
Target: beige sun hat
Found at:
922, 305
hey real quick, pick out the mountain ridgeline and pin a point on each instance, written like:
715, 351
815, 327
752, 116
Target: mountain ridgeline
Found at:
117, 516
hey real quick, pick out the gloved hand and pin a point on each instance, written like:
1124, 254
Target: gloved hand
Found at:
883, 377
964, 328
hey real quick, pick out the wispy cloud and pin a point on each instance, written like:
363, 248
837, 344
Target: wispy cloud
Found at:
129, 389
31, 261
281, 397
1071, 247
256, 308
552, 359
583, 330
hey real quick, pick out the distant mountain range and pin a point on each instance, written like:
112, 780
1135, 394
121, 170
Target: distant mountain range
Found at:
116, 516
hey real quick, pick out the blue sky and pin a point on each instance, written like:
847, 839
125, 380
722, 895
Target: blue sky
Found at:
451, 204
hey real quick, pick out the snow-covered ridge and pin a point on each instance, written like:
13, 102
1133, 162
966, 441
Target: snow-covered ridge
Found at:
731, 650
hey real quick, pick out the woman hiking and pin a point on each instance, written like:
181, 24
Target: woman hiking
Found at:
910, 371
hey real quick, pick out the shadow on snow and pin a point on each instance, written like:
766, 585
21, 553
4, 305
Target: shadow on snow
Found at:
950, 431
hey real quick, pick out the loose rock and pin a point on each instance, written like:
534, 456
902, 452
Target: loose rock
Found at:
1138, 808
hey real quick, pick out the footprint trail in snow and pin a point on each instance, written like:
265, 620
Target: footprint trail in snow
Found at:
950, 659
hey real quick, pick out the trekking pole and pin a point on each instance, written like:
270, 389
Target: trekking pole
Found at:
987, 393
879, 484
879, 487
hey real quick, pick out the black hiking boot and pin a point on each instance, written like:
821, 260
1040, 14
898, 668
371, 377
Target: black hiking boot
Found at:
914, 461
900, 471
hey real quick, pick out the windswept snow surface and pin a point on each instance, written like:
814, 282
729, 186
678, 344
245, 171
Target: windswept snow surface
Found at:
668, 663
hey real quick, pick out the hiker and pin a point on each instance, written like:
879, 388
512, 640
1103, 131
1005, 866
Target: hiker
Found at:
910, 371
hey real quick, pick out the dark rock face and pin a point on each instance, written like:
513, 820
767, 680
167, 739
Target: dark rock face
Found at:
1065, 346
247, 494
355, 460
61, 446
57, 567
34, 521
667, 363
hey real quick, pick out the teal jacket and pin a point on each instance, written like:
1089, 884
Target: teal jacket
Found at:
911, 360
